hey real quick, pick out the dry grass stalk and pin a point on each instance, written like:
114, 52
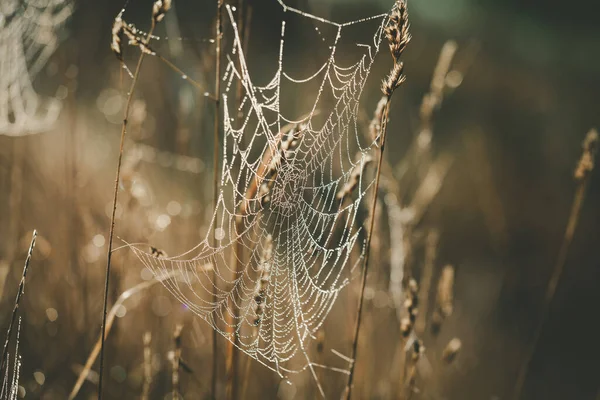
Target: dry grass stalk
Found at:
20, 292
147, 340
122, 29
264, 269
411, 373
355, 175
346, 191
431, 246
159, 9
116, 44
109, 323
217, 94
586, 162
175, 362
431, 102
407, 323
260, 188
429, 187
267, 168
451, 350
375, 124
398, 37
411, 305
10, 381
581, 175
444, 300
116, 189
399, 252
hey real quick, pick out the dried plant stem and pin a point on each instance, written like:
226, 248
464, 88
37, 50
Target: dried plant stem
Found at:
418, 155
582, 176
20, 292
217, 95
247, 367
411, 369
114, 208
176, 362
231, 362
363, 282
398, 37
147, 339
109, 323
426, 278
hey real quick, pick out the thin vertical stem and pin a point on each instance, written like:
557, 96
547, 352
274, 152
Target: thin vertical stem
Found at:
363, 283
114, 209
147, 340
244, 20
216, 175
582, 175
176, 362
425, 281
398, 37
20, 292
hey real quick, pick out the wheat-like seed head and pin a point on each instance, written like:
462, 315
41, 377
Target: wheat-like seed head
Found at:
117, 31
411, 304
397, 32
451, 350
398, 37
159, 9
355, 175
586, 162
264, 269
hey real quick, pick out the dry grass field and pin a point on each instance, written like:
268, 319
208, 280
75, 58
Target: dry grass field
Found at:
299, 199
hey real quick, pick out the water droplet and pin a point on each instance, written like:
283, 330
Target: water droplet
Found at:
98, 240
121, 311
118, 373
39, 377
184, 77
162, 222
52, 314
174, 208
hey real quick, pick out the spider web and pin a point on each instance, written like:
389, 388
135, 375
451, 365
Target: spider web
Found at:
27, 40
287, 239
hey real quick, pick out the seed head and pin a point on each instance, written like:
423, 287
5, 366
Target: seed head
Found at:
586, 162
117, 33
398, 37
451, 351
159, 9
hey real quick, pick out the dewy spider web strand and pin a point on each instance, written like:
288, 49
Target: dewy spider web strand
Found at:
27, 40
281, 184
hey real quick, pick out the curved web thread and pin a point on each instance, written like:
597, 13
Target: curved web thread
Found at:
288, 239
27, 40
